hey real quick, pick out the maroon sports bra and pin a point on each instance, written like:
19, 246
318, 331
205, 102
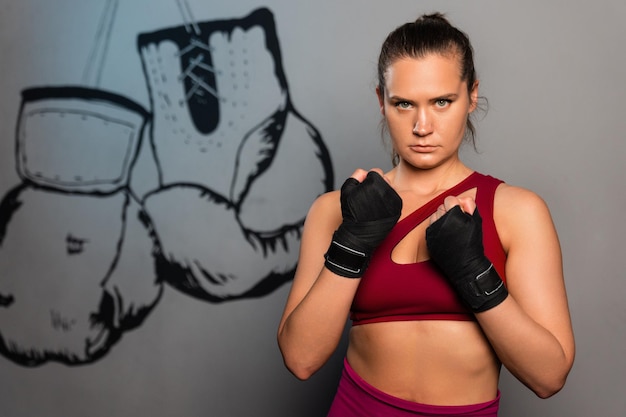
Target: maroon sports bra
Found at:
395, 292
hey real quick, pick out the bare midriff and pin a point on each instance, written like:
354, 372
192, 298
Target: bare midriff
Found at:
435, 362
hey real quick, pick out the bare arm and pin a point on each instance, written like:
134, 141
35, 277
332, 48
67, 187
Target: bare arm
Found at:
355, 220
319, 301
531, 330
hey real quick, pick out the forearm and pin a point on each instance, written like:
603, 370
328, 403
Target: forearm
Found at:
529, 351
311, 333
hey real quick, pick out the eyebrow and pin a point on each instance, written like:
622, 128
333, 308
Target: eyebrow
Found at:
448, 96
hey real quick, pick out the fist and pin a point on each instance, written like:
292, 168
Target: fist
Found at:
467, 205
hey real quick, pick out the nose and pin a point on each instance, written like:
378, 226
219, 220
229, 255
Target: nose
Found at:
423, 125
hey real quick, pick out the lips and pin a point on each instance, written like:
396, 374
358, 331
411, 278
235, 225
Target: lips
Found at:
423, 148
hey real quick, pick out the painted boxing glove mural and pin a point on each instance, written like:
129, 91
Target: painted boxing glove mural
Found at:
70, 287
238, 165
84, 259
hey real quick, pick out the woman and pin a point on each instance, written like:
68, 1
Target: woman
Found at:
446, 273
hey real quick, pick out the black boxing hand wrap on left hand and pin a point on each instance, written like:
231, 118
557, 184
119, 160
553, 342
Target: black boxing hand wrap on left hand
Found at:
370, 210
455, 243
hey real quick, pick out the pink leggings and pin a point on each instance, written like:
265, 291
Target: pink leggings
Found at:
356, 398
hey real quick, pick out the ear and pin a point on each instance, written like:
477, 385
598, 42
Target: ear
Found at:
474, 97
381, 100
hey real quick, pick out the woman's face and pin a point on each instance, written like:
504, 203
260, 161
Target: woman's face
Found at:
426, 106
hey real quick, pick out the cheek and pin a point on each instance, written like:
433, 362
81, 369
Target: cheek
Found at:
454, 123
398, 126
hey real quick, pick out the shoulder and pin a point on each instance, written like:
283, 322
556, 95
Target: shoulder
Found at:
519, 212
325, 212
518, 202
326, 203
323, 218
518, 199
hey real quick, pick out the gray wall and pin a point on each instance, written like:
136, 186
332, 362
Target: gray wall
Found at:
554, 76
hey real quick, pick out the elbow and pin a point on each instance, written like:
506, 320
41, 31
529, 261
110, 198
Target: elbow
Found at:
298, 362
552, 384
301, 372
301, 369
547, 390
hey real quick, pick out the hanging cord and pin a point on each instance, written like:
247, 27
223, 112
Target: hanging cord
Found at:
95, 63
190, 22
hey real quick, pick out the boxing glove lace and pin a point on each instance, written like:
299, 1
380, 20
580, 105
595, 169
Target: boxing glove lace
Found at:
370, 209
455, 243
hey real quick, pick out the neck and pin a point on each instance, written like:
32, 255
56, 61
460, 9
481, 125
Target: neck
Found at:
406, 177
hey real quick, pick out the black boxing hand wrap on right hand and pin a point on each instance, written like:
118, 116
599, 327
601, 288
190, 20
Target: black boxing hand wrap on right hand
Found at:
455, 243
370, 210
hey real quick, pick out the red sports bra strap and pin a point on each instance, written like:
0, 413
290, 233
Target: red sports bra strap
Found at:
421, 214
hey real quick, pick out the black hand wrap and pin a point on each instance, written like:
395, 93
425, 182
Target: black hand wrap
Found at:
455, 243
370, 209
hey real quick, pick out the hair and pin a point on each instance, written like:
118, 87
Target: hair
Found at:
429, 34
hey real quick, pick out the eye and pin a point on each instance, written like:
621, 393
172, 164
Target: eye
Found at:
403, 105
442, 103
